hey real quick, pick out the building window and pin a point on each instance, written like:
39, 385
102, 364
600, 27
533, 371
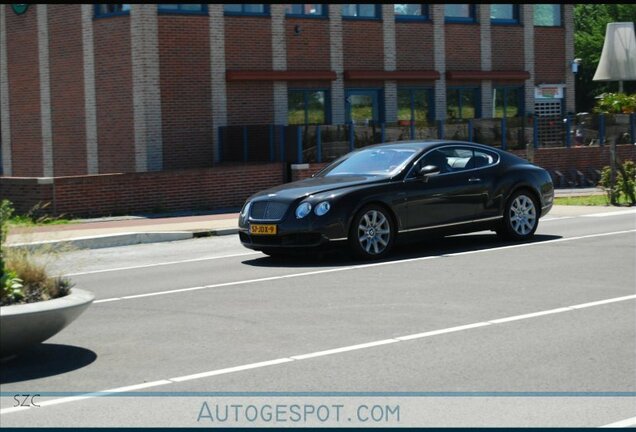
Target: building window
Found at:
415, 105
307, 106
508, 102
183, 8
305, 10
104, 10
246, 9
410, 11
361, 11
548, 15
504, 14
459, 12
462, 103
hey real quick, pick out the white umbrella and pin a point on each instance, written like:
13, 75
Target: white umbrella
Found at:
618, 58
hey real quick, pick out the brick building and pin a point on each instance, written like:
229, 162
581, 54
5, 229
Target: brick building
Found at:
91, 90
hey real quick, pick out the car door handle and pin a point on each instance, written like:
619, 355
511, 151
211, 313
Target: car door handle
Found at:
474, 179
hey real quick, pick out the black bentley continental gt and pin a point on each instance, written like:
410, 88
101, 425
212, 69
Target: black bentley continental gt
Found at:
375, 196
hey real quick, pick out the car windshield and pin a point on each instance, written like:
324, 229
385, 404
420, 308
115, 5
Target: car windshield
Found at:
371, 161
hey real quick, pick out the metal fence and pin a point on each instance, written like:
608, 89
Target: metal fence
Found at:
324, 143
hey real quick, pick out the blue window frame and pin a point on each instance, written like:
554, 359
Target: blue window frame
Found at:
547, 15
361, 11
183, 8
111, 9
463, 103
364, 106
504, 14
306, 10
415, 105
462, 13
308, 106
409, 12
507, 101
255, 9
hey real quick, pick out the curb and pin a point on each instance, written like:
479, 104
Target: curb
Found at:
105, 241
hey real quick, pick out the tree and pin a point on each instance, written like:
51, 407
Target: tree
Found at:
590, 22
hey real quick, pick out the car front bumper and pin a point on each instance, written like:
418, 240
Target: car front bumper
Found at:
313, 232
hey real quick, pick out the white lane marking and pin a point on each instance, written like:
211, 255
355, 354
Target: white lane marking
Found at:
546, 219
613, 213
354, 267
549, 219
231, 370
530, 315
623, 423
344, 349
443, 331
161, 264
602, 302
302, 357
115, 390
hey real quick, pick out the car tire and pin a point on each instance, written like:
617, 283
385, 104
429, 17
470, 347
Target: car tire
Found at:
520, 218
372, 233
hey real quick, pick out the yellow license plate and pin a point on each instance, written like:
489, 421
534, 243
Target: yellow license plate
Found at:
257, 229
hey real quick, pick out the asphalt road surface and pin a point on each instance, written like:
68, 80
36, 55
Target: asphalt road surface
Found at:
466, 331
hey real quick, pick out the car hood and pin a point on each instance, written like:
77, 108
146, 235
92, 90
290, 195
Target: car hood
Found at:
315, 185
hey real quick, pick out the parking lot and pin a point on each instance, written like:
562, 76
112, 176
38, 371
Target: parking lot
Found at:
461, 331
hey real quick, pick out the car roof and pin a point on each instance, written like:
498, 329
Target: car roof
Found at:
424, 144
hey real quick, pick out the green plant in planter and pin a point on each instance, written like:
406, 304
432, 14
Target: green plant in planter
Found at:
23, 278
616, 103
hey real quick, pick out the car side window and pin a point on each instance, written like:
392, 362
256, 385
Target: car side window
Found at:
482, 159
455, 159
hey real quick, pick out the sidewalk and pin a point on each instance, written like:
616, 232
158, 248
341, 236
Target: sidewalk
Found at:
128, 230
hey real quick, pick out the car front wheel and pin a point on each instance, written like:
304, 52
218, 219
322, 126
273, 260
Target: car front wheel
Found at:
521, 217
372, 233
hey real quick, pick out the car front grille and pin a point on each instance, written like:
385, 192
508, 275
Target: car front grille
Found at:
268, 210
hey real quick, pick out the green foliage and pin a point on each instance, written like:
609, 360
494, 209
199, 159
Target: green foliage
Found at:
23, 277
616, 103
624, 187
11, 287
590, 23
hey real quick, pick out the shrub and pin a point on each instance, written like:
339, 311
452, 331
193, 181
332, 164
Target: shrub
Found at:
624, 185
616, 103
24, 278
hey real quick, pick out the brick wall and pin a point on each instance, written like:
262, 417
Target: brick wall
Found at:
248, 43
580, 158
562, 159
219, 187
507, 48
184, 58
110, 194
308, 50
24, 92
67, 90
549, 54
414, 45
463, 48
114, 94
363, 45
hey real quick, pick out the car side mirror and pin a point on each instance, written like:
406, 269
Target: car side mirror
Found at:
426, 171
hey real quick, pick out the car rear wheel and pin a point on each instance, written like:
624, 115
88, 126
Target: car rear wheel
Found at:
521, 217
372, 233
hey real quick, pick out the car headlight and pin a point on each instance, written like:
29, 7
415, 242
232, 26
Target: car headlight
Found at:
303, 210
322, 208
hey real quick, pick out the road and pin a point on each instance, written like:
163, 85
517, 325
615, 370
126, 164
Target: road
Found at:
465, 331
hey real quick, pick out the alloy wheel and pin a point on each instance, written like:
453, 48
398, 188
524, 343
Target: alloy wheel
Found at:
522, 215
374, 232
